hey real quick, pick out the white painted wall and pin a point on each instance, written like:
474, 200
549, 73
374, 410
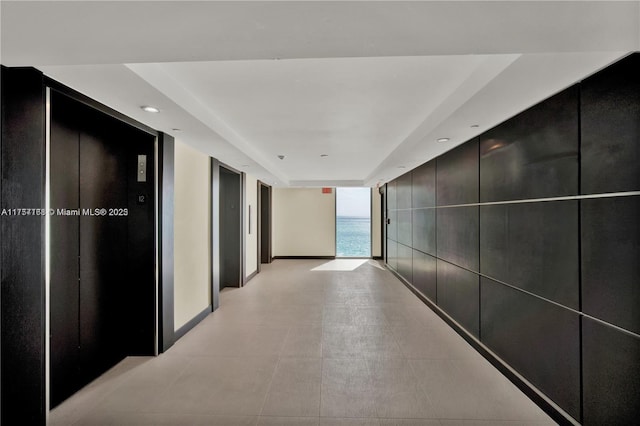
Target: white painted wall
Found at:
192, 230
304, 222
376, 199
251, 243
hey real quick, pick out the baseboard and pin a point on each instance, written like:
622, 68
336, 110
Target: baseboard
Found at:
377, 257
192, 323
552, 410
305, 257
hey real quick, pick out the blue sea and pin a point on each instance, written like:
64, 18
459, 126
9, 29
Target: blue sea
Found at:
353, 236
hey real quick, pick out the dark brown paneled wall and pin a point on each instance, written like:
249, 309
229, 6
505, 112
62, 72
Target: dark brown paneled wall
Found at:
528, 237
22, 248
22, 243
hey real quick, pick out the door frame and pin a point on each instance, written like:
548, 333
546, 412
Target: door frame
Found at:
371, 224
383, 222
262, 185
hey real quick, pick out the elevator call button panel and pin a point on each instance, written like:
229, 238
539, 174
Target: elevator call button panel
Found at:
142, 168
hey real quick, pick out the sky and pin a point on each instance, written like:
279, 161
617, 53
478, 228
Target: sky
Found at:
353, 202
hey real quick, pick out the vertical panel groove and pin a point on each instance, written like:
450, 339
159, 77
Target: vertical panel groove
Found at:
581, 348
47, 250
479, 252
79, 242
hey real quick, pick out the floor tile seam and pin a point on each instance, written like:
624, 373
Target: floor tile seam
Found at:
437, 419
373, 327
322, 345
266, 394
170, 383
251, 326
493, 421
95, 402
371, 379
200, 356
421, 386
397, 342
76, 422
112, 375
461, 375
321, 382
81, 420
167, 388
283, 342
84, 410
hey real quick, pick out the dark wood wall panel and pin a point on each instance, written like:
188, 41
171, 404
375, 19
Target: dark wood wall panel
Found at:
22, 250
405, 233
392, 196
405, 262
458, 236
392, 254
534, 154
457, 175
424, 230
392, 226
610, 129
459, 295
611, 375
424, 274
423, 187
533, 246
539, 339
403, 189
610, 260
543, 263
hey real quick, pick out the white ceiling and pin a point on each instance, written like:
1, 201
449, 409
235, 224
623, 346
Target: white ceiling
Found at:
370, 84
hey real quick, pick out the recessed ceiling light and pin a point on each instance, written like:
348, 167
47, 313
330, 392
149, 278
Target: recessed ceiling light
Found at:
324, 155
402, 167
473, 126
175, 129
149, 108
244, 165
442, 140
281, 157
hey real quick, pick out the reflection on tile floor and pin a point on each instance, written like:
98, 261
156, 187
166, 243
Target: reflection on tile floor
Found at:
298, 346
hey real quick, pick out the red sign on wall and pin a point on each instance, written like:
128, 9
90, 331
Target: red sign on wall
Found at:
327, 190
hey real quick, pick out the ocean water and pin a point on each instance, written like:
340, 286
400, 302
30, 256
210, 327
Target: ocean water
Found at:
353, 236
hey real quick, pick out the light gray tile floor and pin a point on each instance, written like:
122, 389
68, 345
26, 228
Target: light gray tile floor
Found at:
302, 347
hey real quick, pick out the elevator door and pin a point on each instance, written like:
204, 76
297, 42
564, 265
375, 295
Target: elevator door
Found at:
103, 248
102, 245
65, 255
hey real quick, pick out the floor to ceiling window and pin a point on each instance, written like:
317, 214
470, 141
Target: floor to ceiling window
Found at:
353, 222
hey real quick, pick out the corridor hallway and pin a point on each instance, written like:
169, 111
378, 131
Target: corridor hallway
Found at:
298, 346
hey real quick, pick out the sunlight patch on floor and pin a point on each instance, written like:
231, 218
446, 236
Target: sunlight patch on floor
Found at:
341, 265
376, 264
